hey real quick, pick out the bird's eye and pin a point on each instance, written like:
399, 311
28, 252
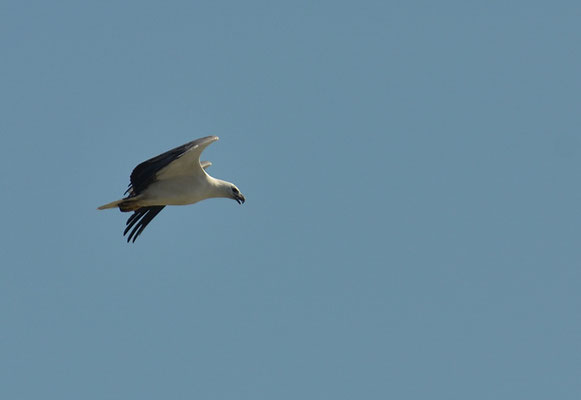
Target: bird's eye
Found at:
235, 190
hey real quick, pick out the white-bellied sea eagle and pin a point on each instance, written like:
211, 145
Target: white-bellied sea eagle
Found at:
176, 177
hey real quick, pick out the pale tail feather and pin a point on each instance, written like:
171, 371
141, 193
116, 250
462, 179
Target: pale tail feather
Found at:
113, 204
124, 205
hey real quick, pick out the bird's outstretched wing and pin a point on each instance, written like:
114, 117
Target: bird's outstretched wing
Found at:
183, 160
139, 220
205, 164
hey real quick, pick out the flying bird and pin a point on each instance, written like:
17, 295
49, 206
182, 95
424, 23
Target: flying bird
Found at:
176, 177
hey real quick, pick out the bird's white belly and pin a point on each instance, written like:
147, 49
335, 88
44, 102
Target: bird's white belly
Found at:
175, 191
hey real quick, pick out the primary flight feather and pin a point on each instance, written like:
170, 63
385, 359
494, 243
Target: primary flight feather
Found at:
176, 177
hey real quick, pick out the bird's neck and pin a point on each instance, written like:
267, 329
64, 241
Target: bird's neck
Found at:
220, 188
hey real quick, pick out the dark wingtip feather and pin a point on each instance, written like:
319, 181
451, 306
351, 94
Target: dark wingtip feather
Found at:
139, 220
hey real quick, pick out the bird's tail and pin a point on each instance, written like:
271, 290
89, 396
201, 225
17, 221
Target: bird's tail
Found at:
127, 204
113, 204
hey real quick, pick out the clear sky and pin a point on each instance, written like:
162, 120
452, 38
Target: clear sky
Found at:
412, 226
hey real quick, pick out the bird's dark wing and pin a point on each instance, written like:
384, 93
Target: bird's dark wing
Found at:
139, 220
146, 172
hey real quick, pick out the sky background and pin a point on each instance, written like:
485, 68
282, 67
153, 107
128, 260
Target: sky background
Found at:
412, 225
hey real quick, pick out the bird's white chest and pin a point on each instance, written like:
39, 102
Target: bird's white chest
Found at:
178, 191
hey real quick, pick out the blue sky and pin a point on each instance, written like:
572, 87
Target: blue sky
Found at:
412, 222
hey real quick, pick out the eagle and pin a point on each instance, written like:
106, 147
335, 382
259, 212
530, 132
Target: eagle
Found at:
176, 177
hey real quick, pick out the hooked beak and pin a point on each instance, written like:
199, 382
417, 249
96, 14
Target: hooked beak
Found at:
240, 198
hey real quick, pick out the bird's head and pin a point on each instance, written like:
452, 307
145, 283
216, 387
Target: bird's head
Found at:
227, 190
236, 195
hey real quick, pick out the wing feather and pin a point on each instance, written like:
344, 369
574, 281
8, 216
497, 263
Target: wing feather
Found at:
139, 220
184, 157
